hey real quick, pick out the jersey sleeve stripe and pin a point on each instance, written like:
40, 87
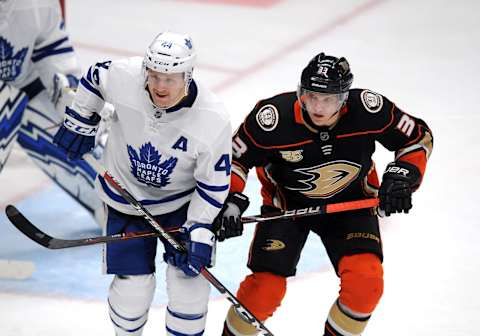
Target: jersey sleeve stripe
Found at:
90, 88
119, 199
208, 199
212, 188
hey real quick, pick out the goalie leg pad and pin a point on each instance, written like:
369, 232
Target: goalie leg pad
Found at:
129, 300
39, 125
187, 307
361, 278
12, 105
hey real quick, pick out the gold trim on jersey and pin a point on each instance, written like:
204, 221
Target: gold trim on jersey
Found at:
292, 156
426, 143
240, 172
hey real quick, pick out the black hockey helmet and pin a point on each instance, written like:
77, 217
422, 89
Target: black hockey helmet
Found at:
327, 74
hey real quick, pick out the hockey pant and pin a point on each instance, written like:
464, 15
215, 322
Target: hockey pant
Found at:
39, 124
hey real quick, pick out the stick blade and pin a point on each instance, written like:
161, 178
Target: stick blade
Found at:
27, 227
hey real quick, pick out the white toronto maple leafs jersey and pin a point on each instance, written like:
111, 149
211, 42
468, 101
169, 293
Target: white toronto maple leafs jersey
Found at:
34, 43
165, 158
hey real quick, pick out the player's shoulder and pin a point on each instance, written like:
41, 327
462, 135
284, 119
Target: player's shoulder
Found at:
271, 117
371, 109
211, 107
124, 70
127, 65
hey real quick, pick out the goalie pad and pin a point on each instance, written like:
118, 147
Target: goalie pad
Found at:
12, 105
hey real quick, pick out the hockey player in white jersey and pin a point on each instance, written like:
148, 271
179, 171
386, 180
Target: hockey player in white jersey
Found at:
37, 61
170, 146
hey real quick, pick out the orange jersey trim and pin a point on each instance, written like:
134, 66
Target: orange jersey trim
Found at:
237, 184
417, 158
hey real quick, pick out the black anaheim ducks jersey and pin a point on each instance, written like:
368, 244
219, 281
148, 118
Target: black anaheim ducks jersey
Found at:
300, 164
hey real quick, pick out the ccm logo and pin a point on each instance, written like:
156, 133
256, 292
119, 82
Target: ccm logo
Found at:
397, 170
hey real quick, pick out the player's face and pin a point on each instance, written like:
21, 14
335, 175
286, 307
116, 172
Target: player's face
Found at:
322, 108
166, 90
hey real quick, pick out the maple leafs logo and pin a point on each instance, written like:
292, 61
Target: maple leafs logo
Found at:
148, 168
10, 64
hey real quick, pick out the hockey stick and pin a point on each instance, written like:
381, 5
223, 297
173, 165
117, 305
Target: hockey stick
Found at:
315, 210
31, 231
247, 315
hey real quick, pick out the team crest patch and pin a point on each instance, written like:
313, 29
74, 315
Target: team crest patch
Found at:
372, 101
273, 245
267, 118
148, 168
292, 156
10, 63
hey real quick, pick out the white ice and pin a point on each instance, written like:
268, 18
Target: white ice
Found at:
423, 55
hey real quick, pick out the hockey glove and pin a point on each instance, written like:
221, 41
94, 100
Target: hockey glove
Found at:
399, 181
63, 91
228, 223
77, 134
199, 241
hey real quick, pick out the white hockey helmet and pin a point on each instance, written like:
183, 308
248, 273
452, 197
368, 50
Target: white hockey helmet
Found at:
171, 53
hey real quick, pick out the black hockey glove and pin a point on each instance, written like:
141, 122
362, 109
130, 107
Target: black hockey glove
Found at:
399, 180
228, 223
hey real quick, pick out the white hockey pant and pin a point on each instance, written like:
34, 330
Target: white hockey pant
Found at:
129, 300
186, 312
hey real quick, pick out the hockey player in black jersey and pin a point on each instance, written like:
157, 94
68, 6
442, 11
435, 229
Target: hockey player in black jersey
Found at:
314, 147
